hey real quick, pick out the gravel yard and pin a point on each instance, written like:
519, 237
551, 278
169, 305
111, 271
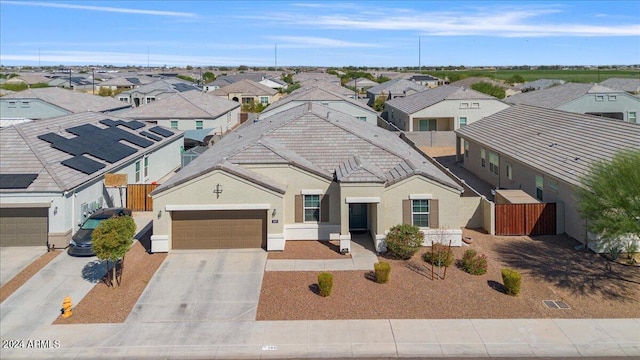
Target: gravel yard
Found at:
552, 270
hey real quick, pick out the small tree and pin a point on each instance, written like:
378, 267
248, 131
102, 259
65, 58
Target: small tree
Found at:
208, 77
404, 240
112, 239
105, 91
378, 104
609, 197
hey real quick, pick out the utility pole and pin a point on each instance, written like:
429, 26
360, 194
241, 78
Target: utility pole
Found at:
93, 79
70, 78
276, 56
419, 53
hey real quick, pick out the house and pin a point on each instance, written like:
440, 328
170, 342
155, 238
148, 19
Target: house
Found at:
274, 83
247, 92
470, 81
270, 182
224, 80
159, 89
53, 171
43, 103
29, 79
361, 83
189, 110
630, 85
125, 82
543, 152
324, 97
318, 76
444, 108
591, 99
74, 82
393, 89
538, 84
427, 80
329, 86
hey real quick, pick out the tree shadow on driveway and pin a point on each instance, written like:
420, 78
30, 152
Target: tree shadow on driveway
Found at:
94, 271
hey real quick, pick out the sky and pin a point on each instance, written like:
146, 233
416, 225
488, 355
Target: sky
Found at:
320, 33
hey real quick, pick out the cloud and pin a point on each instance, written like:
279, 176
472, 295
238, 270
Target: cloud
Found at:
104, 9
310, 41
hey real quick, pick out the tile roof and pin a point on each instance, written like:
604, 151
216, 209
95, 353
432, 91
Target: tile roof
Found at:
245, 87
69, 100
424, 99
624, 84
224, 80
314, 93
559, 143
128, 80
24, 153
396, 86
468, 82
540, 84
334, 88
337, 137
183, 105
168, 85
557, 96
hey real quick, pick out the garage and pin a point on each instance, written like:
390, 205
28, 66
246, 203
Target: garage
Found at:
24, 226
219, 229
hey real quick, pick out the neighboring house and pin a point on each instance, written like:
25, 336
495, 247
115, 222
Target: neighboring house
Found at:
393, 89
470, 81
590, 99
444, 108
543, 152
630, 85
156, 90
324, 97
29, 79
189, 110
247, 92
308, 173
538, 84
52, 172
361, 83
427, 80
42, 103
125, 82
224, 80
318, 76
274, 83
74, 83
329, 86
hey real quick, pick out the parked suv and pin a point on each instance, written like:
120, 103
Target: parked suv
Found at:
80, 244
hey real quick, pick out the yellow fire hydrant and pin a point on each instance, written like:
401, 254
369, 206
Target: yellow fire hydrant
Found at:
66, 307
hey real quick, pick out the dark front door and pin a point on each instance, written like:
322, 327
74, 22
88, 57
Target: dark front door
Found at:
358, 216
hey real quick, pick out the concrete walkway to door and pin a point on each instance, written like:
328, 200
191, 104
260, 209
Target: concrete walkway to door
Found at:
363, 257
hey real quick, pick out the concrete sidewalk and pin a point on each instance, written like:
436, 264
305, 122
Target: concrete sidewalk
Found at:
14, 259
341, 338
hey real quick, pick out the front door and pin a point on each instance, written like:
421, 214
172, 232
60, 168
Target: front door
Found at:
358, 216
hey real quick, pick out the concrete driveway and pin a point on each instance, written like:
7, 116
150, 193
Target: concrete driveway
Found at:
15, 258
203, 285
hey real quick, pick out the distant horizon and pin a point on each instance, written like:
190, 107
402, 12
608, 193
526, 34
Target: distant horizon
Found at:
333, 34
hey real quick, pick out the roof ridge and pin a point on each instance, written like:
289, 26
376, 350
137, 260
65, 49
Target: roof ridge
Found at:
45, 166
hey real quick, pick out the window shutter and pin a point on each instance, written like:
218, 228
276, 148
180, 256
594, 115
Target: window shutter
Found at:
434, 222
299, 212
324, 208
406, 212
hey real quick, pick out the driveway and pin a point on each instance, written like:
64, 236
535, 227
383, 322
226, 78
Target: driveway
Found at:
203, 285
15, 258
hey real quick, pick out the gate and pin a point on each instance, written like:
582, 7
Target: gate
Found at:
138, 198
526, 219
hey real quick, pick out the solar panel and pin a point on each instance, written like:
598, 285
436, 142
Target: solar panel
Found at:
134, 81
150, 136
113, 152
133, 125
119, 134
108, 122
180, 87
161, 131
86, 129
83, 164
16, 181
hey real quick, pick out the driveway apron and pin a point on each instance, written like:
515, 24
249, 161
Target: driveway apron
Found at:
203, 285
14, 259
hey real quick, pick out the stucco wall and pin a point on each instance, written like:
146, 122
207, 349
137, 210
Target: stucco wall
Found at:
221, 123
33, 109
623, 103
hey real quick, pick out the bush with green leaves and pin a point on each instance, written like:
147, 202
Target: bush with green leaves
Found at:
614, 249
439, 255
631, 248
382, 271
325, 284
511, 280
404, 240
112, 239
474, 264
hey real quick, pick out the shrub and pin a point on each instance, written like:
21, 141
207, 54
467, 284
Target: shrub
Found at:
631, 248
404, 240
512, 280
382, 270
325, 283
439, 256
474, 264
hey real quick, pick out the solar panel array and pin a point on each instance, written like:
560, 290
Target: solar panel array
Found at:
100, 143
16, 181
181, 87
134, 81
161, 131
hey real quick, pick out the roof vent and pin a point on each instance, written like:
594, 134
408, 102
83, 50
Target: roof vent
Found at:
553, 144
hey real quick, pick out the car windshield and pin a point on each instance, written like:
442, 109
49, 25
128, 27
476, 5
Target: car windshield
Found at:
91, 224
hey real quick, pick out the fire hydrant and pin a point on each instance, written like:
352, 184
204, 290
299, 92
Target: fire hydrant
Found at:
66, 307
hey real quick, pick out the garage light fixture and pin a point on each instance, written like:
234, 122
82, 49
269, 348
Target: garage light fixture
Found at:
159, 214
273, 213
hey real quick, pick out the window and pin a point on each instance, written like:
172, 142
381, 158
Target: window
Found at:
124, 99
150, 99
24, 104
553, 185
483, 158
362, 118
466, 148
311, 208
247, 100
464, 105
599, 97
539, 187
420, 213
612, 98
12, 104
174, 124
146, 167
138, 175
199, 124
463, 121
509, 172
494, 163
475, 105
633, 117
264, 100
428, 124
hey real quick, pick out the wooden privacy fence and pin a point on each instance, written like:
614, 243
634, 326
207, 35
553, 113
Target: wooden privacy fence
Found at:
138, 198
526, 219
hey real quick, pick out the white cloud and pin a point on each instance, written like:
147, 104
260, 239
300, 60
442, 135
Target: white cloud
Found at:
310, 41
104, 9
